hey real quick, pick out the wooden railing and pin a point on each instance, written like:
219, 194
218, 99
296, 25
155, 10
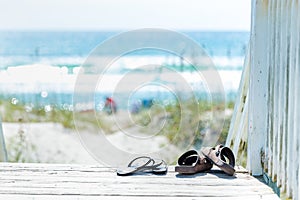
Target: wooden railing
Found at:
3, 153
269, 104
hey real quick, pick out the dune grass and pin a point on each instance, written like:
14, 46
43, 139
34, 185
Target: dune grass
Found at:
186, 123
183, 124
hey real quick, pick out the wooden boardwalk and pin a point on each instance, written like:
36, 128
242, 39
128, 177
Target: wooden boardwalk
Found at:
61, 181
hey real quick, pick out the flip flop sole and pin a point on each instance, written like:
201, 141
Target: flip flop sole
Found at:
190, 163
193, 169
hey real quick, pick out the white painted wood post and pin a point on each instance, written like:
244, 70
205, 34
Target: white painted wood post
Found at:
258, 108
274, 95
240, 107
3, 153
270, 60
292, 89
242, 129
294, 164
275, 90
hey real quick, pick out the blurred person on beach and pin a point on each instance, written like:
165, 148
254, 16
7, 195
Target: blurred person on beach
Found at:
110, 105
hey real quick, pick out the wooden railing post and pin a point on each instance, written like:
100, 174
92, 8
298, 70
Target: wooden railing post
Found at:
273, 97
3, 153
258, 108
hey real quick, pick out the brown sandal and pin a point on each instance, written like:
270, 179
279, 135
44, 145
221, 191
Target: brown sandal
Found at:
218, 157
190, 163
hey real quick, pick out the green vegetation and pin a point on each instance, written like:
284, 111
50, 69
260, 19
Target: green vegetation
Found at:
27, 113
20, 149
186, 123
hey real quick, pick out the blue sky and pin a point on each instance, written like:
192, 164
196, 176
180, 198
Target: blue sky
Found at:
125, 14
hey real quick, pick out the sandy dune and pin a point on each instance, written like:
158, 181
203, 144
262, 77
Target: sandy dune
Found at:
52, 143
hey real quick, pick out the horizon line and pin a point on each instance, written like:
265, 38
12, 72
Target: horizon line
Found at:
118, 30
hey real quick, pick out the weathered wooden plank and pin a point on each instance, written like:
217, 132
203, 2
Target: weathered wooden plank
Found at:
3, 153
39, 182
258, 87
279, 95
276, 92
238, 116
238, 130
291, 102
209, 175
66, 187
281, 178
52, 181
242, 129
139, 191
271, 58
296, 141
69, 168
285, 32
66, 197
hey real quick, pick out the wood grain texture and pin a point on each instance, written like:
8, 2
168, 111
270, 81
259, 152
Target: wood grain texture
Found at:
56, 181
274, 95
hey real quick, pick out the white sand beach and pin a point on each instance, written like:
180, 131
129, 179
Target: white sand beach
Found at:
52, 143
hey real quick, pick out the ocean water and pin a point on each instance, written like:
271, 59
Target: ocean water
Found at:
40, 68
71, 48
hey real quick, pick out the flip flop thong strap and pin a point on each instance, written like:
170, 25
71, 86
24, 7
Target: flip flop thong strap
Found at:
150, 162
188, 158
157, 164
162, 167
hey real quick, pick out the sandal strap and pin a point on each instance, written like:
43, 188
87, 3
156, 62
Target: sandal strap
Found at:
226, 152
190, 157
155, 166
150, 162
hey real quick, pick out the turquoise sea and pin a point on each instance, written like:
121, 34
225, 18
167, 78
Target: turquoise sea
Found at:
71, 48
30, 61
